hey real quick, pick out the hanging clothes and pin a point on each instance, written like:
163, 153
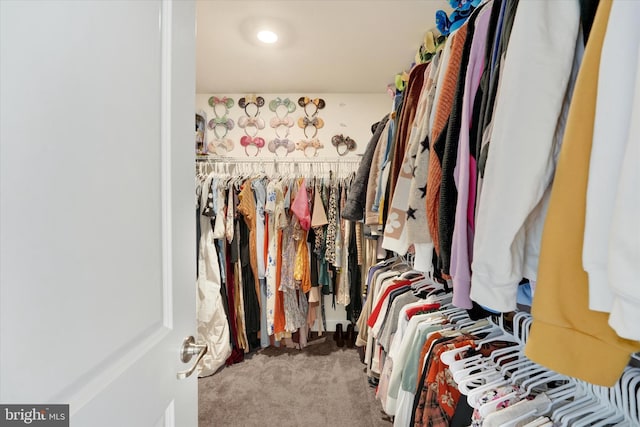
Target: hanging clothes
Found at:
562, 317
212, 323
273, 243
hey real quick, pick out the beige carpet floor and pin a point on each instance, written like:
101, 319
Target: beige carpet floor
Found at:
321, 385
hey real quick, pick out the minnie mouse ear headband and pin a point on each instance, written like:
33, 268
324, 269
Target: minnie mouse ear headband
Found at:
310, 148
339, 141
224, 144
281, 145
245, 101
247, 141
214, 100
306, 102
275, 103
310, 126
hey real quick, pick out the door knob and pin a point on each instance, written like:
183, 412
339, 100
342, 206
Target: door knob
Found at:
187, 351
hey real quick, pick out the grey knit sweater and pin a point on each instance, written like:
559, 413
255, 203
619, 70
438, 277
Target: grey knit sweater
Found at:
354, 207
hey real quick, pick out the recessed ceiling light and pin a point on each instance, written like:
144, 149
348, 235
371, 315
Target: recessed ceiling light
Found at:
267, 36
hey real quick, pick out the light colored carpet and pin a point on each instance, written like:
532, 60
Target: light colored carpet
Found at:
321, 385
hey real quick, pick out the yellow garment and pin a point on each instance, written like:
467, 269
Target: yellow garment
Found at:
302, 269
566, 336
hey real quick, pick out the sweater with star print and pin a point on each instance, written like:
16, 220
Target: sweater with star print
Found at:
395, 234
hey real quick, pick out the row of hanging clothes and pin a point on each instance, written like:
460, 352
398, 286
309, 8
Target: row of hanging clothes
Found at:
509, 167
431, 364
271, 244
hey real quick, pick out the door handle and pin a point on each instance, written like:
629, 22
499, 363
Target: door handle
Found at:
187, 351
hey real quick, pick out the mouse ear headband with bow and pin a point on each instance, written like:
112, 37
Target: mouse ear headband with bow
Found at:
310, 148
306, 102
287, 103
220, 124
248, 100
247, 141
310, 126
340, 140
214, 100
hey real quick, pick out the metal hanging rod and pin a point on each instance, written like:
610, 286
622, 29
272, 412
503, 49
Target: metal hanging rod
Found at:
278, 160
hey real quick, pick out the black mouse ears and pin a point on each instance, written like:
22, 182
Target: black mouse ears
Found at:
251, 99
303, 101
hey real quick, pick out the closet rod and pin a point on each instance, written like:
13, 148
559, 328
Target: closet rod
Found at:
275, 160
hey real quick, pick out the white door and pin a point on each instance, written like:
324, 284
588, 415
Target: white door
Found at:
97, 254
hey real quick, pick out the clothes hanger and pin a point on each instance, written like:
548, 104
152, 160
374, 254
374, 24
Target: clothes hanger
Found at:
493, 405
449, 356
475, 365
478, 361
601, 413
520, 363
424, 282
527, 372
519, 392
625, 400
481, 379
470, 325
581, 411
581, 398
563, 392
496, 335
538, 422
496, 358
503, 354
485, 378
517, 421
545, 378
474, 395
443, 299
466, 362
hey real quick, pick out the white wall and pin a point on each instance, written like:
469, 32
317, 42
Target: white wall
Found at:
345, 113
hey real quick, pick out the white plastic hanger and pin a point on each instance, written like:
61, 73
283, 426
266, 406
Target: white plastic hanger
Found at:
516, 421
479, 379
527, 372
538, 422
544, 378
475, 326
506, 353
581, 398
626, 400
463, 367
539, 411
492, 405
449, 356
496, 335
521, 392
520, 363
458, 316
600, 413
474, 395
592, 406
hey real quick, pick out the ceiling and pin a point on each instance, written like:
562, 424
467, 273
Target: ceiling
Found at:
325, 46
